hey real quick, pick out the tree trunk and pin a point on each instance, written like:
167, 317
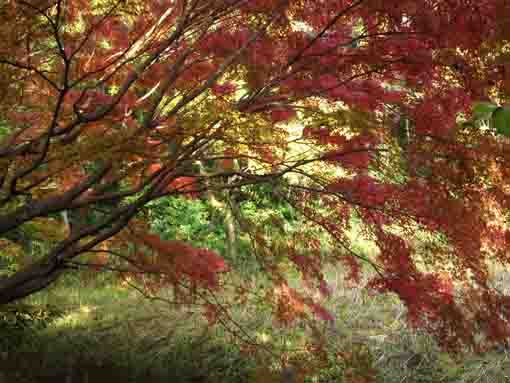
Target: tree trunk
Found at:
231, 233
32, 278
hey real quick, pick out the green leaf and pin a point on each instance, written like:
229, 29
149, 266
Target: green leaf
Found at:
501, 121
484, 110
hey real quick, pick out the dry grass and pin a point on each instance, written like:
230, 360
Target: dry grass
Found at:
113, 334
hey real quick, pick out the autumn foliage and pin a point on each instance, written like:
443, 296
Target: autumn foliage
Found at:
354, 108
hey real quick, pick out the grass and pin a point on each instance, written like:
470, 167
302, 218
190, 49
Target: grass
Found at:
112, 334
105, 332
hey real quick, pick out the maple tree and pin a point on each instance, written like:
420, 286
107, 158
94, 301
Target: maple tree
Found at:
345, 108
